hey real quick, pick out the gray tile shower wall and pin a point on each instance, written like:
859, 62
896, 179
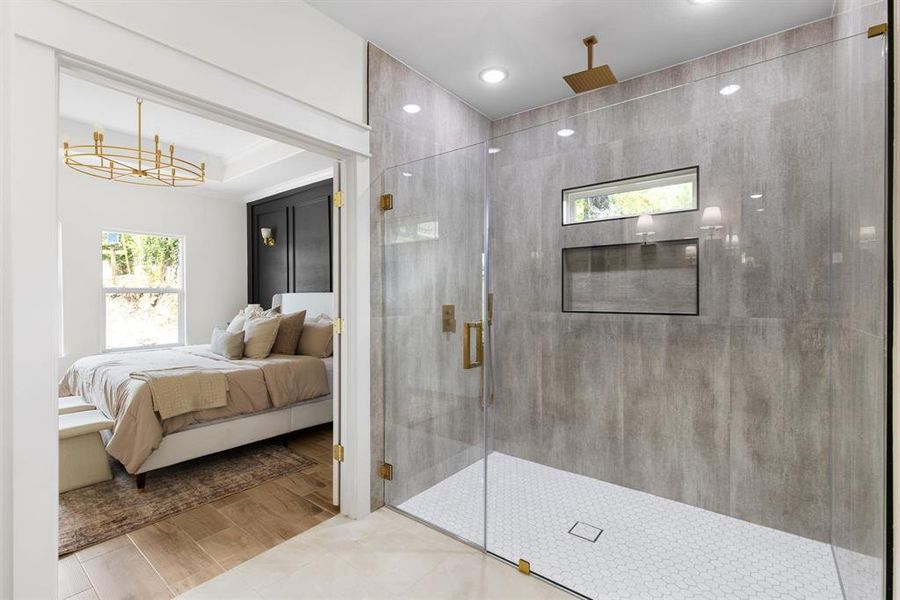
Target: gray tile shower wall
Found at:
728, 410
445, 123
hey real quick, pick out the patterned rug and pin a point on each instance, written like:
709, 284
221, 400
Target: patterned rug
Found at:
90, 515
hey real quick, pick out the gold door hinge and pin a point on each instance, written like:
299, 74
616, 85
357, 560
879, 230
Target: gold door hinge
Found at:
876, 30
339, 326
387, 201
524, 567
338, 453
387, 471
338, 199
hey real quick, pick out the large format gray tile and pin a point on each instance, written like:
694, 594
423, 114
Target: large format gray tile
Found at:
781, 425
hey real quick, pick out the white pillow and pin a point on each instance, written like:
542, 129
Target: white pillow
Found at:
236, 324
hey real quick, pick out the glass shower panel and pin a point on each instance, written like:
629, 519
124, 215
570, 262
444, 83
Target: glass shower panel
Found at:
432, 301
708, 452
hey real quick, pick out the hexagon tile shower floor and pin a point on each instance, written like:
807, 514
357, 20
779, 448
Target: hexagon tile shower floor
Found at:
650, 547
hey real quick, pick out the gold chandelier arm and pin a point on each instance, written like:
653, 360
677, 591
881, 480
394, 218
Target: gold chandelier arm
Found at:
158, 178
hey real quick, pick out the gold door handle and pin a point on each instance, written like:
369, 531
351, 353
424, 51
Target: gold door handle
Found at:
468, 326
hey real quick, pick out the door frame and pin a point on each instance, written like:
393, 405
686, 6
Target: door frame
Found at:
37, 39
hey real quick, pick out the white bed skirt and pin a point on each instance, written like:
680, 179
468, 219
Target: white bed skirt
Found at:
231, 433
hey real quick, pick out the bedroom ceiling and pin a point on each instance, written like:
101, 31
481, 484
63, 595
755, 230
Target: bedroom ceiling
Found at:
539, 41
240, 165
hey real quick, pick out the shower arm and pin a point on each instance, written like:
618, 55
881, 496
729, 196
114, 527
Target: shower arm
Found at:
590, 42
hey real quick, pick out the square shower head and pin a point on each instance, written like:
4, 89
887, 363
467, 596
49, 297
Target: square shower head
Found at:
592, 79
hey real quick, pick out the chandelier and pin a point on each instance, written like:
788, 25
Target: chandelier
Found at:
134, 164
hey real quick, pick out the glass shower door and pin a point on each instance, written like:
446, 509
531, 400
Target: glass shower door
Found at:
433, 248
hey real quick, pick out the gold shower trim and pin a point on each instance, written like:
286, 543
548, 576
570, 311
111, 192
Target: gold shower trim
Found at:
876, 30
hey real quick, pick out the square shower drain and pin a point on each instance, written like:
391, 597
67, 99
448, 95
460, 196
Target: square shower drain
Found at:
585, 531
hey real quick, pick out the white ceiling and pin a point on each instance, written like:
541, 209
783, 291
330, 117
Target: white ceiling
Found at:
539, 41
240, 165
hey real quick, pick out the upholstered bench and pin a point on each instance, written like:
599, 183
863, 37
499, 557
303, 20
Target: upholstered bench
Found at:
71, 404
82, 454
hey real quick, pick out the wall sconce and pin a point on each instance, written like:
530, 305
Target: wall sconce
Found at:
268, 238
644, 228
690, 253
732, 241
711, 219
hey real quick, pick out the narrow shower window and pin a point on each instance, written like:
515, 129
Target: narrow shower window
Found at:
668, 192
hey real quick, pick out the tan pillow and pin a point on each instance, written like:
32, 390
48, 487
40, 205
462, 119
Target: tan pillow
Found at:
259, 336
289, 330
317, 338
227, 344
236, 324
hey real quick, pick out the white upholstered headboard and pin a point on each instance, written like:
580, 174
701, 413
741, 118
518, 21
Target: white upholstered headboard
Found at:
314, 303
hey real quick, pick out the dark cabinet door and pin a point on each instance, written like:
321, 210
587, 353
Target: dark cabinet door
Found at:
300, 259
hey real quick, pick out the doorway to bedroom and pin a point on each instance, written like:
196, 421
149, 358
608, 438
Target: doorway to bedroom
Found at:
197, 359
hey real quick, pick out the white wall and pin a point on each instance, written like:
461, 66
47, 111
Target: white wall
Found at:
286, 45
215, 250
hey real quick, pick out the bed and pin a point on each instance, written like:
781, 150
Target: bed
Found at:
265, 398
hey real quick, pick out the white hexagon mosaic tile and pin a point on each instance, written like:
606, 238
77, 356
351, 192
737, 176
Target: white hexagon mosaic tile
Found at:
650, 547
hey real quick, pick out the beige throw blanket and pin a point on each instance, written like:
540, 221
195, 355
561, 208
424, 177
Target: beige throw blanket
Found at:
180, 390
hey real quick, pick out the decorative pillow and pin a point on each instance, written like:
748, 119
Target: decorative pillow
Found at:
252, 311
317, 338
259, 336
227, 344
237, 323
289, 330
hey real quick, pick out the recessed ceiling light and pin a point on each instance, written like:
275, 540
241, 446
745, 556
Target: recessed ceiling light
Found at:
412, 108
493, 150
493, 75
760, 209
406, 173
700, 1
756, 196
729, 89
565, 132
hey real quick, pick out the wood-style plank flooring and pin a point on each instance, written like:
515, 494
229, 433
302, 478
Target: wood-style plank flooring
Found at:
176, 554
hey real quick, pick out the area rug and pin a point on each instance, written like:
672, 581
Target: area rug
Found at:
109, 509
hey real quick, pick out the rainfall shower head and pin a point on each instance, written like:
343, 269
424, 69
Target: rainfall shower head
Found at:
594, 77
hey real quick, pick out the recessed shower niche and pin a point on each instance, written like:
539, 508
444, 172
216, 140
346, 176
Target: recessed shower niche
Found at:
654, 278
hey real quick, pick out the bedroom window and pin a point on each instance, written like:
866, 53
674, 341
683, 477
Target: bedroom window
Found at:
672, 191
143, 289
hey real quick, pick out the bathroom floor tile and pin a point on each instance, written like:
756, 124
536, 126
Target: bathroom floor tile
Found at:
649, 547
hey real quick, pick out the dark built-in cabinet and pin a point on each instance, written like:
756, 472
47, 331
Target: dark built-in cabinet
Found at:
300, 259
